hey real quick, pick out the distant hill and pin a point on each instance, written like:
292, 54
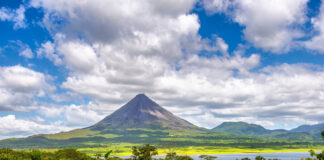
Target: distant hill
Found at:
304, 132
314, 130
241, 128
309, 128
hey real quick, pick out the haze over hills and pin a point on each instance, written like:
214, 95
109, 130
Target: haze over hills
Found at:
141, 120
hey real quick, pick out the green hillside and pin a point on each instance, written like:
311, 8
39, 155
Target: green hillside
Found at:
304, 132
241, 128
313, 130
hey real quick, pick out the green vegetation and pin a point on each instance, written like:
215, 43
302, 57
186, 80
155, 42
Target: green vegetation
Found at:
207, 157
185, 141
145, 152
64, 154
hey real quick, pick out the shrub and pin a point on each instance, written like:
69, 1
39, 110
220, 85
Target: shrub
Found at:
35, 155
71, 154
259, 158
108, 154
183, 158
171, 156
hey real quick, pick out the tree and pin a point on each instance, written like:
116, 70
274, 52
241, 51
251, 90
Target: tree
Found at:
144, 152
246, 158
108, 154
259, 158
35, 155
71, 154
171, 156
319, 156
207, 157
174, 156
184, 158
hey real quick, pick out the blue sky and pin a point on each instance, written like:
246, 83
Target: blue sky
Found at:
68, 64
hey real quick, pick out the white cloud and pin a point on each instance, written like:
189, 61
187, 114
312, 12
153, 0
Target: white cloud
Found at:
78, 56
10, 126
17, 16
18, 86
153, 48
82, 116
217, 6
120, 15
23, 49
222, 46
21, 79
316, 43
63, 118
47, 50
269, 24
28, 53
74, 115
51, 111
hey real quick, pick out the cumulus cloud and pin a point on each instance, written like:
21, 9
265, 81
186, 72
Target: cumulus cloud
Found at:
270, 25
16, 16
11, 126
24, 49
18, 86
27, 52
222, 46
81, 116
47, 50
77, 14
217, 6
153, 47
291, 93
64, 118
74, 115
316, 43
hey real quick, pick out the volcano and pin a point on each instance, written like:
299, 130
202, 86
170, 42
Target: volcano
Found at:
142, 112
